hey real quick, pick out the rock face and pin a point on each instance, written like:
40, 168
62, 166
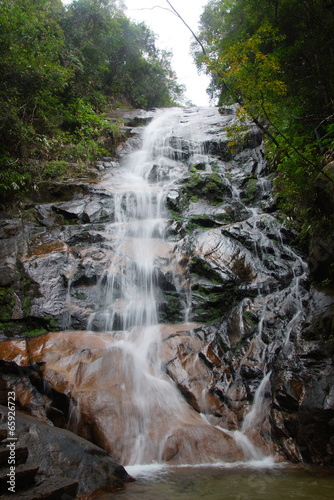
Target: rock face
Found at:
89, 369
181, 270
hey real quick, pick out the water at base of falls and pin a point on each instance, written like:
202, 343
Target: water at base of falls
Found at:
238, 482
154, 421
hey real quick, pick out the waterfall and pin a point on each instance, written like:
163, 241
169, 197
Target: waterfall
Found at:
179, 293
156, 421
129, 296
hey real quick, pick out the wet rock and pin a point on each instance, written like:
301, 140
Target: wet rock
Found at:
17, 312
305, 404
320, 258
289, 390
7, 273
89, 363
72, 210
92, 467
49, 191
291, 450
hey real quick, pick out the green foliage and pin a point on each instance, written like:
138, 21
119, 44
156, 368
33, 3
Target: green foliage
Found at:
61, 68
55, 169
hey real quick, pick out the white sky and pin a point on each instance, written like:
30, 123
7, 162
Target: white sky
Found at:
173, 35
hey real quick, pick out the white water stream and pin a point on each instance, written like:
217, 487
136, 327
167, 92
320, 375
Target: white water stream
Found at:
157, 422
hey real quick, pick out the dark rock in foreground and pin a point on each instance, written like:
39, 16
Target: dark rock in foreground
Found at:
61, 454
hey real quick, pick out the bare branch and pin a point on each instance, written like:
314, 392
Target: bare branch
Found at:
191, 31
157, 7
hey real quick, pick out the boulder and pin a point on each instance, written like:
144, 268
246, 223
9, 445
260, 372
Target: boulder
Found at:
61, 454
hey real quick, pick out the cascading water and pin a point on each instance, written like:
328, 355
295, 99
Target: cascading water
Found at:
157, 422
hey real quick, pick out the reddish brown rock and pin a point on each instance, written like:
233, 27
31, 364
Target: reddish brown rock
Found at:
110, 406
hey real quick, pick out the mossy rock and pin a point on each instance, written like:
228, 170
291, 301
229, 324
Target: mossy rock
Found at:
203, 221
249, 193
170, 311
154, 173
198, 166
213, 303
11, 328
210, 187
50, 191
15, 307
36, 332
201, 268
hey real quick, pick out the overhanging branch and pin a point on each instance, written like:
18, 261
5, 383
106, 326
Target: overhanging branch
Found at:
191, 31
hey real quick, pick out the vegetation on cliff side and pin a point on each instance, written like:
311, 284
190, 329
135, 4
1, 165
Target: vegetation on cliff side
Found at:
60, 69
275, 59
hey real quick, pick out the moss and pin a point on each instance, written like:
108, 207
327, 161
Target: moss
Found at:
50, 323
249, 191
36, 332
214, 167
224, 218
198, 185
9, 328
207, 186
212, 303
198, 166
26, 304
176, 216
238, 346
201, 268
170, 311
203, 221
225, 348
250, 318
200, 221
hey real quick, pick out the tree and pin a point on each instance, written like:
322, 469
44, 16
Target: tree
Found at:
274, 58
31, 42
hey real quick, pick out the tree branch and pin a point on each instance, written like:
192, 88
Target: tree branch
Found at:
311, 163
158, 7
191, 31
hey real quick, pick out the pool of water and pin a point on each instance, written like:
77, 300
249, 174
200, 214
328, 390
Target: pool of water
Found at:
221, 482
